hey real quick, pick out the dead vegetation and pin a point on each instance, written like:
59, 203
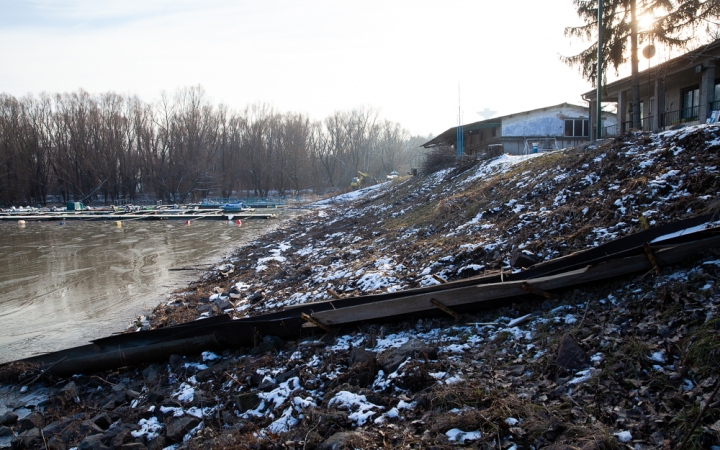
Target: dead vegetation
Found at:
627, 362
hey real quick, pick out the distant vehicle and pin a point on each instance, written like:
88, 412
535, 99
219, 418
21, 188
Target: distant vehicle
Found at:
235, 207
362, 181
393, 175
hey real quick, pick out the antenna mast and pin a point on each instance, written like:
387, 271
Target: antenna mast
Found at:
460, 133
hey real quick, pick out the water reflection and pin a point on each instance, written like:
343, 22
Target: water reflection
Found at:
62, 285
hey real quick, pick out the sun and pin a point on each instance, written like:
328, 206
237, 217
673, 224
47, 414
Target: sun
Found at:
645, 21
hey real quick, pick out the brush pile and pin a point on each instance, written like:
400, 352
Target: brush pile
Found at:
627, 363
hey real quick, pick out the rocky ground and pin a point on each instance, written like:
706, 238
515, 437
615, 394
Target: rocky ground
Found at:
632, 362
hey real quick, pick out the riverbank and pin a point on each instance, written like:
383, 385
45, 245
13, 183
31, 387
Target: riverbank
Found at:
626, 362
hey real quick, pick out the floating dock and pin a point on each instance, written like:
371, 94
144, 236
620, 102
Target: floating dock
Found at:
150, 214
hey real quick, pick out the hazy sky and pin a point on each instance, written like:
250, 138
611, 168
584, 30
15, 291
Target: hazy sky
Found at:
404, 58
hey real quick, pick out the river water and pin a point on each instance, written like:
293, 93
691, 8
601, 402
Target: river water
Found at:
63, 285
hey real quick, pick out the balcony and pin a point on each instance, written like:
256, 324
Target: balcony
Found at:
679, 116
610, 131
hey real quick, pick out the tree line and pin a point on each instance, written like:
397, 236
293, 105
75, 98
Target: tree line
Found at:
109, 148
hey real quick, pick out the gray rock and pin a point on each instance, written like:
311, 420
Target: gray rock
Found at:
570, 355
245, 402
102, 420
55, 443
33, 420
283, 377
121, 438
523, 259
223, 305
391, 358
341, 440
176, 361
8, 419
267, 385
55, 427
360, 355
178, 428
268, 344
256, 297
155, 397
516, 369
133, 446
158, 443
70, 390
204, 375
5, 431
30, 438
151, 373
93, 442
79, 430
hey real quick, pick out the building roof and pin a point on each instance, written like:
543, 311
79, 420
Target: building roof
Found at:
449, 135
682, 62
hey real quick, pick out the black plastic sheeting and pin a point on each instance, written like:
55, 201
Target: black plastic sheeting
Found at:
223, 332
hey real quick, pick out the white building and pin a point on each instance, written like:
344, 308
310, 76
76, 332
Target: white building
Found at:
550, 128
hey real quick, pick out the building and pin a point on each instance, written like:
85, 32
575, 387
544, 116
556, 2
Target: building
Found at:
682, 90
550, 128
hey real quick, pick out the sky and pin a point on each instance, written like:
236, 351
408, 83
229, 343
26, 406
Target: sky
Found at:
413, 61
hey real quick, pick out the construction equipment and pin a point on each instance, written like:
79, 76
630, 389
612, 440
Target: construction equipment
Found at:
362, 181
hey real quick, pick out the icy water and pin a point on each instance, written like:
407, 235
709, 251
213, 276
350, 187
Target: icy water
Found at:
63, 285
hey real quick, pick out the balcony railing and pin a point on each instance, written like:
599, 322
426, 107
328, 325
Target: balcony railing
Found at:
609, 131
647, 123
679, 116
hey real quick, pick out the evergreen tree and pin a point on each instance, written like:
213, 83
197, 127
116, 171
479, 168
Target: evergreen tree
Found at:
675, 25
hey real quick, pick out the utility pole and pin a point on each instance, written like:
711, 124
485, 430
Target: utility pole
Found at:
599, 70
460, 133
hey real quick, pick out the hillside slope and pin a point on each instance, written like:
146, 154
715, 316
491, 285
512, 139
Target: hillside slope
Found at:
469, 220
631, 362
649, 342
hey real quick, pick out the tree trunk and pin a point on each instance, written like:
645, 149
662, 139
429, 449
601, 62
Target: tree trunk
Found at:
634, 61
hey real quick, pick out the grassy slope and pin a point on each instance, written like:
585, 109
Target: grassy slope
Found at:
475, 216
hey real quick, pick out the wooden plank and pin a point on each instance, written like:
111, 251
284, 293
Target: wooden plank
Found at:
444, 308
316, 322
651, 256
484, 293
533, 290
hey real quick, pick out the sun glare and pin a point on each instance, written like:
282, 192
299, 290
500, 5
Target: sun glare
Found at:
645, 21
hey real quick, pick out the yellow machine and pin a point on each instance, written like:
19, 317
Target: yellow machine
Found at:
362, 181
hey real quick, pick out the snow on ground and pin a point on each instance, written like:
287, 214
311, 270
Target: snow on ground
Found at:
451, 225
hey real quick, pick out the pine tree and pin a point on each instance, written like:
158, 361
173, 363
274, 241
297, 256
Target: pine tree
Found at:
676, 25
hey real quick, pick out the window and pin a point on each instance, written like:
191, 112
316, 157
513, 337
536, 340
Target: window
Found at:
494, 132
577, 127
690, 102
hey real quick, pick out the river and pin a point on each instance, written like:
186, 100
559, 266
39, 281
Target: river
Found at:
63, 285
